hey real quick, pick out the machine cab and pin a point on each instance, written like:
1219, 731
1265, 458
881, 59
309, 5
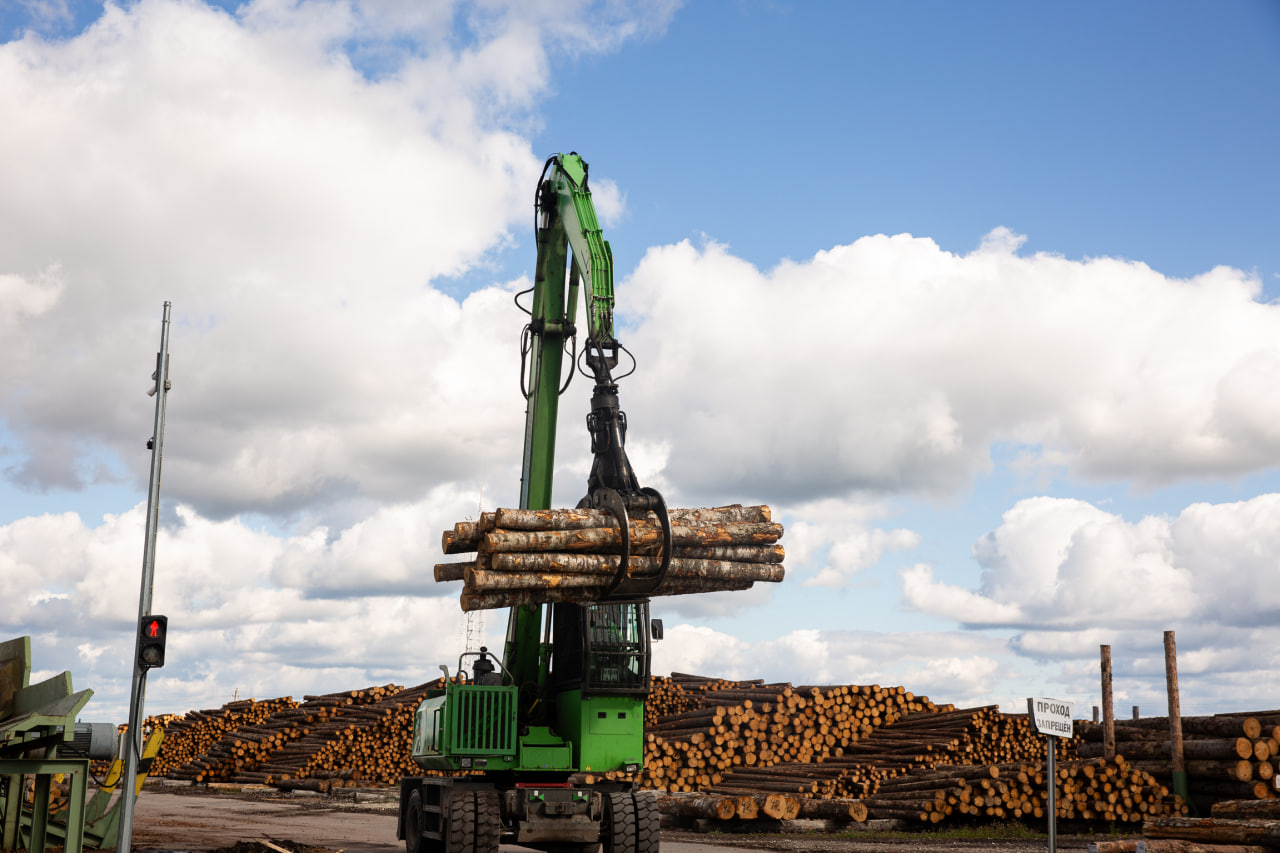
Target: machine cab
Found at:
601, 648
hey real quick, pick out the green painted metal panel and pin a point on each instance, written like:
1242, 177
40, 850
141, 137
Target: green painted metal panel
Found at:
608, 731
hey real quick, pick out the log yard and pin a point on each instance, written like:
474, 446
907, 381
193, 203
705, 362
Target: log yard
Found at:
639, 426
565, 740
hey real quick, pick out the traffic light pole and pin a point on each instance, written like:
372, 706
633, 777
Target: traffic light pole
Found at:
133, 738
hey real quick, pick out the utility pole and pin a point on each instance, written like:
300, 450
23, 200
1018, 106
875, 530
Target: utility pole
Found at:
133, 737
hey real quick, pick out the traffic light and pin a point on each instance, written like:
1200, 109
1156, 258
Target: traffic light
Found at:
152, 632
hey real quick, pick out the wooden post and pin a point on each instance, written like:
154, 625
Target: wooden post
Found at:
1175, 716
1108, 717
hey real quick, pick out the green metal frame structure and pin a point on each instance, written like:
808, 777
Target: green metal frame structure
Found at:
35, 716
573, 677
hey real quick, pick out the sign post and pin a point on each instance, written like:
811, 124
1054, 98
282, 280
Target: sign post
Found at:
1052, 718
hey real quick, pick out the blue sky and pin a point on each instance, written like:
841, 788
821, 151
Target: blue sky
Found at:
1140, 130
977, 296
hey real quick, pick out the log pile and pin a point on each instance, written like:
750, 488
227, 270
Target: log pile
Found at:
726, 750
757, 807
544, 556
898, 755
1094, 790
281, 740
373, 748
189, 740
1249, 823
1234, 826
749, 738
1226, 756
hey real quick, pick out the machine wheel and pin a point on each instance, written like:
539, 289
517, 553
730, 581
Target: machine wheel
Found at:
619, 831
488, 822
460, 834
648, 822
413, 823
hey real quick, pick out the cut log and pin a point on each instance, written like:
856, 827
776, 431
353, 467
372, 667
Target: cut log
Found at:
577, 519
599, 575
706, 807
1169, 846
693, 561
841, 810
1202, 749
1214, 831
645, 538
1267, 809
452, 571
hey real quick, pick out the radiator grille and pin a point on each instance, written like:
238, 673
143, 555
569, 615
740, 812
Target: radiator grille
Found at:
483, 720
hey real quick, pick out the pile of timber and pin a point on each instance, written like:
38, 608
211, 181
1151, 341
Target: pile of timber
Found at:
898, 755
543, 556
671, 696
374, 748
189, 739
915, 743
280, 740
749, 725
693, 807
1235, 826
718, 747
1093, 790
1225, 756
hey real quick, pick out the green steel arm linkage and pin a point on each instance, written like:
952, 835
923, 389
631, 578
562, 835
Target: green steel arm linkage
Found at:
591, 253
566, 221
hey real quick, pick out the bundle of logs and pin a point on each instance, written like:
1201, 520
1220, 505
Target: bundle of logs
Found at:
1227, 756
543, 556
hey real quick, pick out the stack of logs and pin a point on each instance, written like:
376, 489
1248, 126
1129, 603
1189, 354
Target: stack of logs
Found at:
746, 725
897, 755
713, 744
542, 556
1096, 790
1227, 756
1239, 826
192, 743
284, 742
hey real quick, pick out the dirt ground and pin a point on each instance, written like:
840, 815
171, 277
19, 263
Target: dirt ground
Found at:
187, 818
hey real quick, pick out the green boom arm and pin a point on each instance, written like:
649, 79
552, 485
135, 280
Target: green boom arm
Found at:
566, 220
592, 257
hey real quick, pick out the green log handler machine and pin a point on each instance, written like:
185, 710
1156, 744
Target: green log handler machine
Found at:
567, 696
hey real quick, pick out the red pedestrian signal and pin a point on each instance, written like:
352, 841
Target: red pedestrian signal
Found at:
152, 632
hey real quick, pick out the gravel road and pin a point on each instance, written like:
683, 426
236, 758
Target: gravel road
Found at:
201, 819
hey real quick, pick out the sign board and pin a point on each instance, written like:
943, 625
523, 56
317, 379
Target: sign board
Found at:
1050, 716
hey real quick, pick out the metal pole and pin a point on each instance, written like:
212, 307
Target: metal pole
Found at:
1052, 797
133, 738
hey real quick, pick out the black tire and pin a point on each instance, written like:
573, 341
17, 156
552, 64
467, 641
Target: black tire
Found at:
488, 822
460, 834
413, 823
648, 822
619, 831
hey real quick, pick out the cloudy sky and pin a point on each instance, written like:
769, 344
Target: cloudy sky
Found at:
980, 298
